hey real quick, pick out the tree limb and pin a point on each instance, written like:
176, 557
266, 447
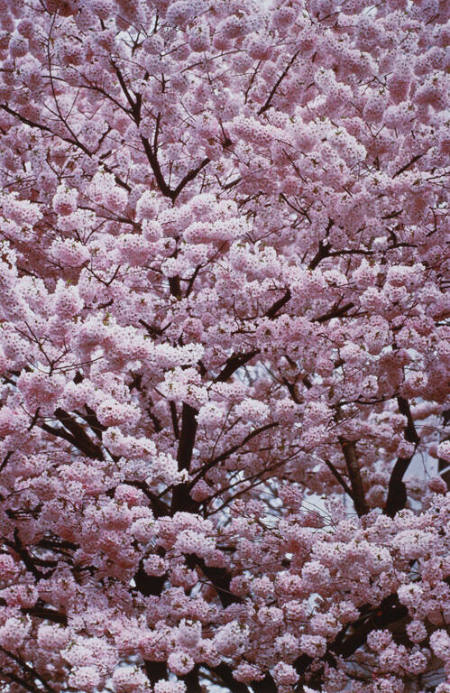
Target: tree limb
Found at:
354, 473
397, 497
268, 101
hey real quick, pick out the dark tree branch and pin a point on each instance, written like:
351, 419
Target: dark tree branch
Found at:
27, 686
154, 163
91, 419
42, 612
47, 614
21, 551
353, 636
273, 310
354, 473
188, 177
155, 671
159, 508
267, 685
233, 363
75, 143
397, 497
443, 466
83, 442
323, 252
6, 459
192, 682
175, 287
410, 163
32, 673
268, 101
334, 313
187, 436
181, 499
223, 456
218, 577
156, 168
149, 584
173, 413
339, 478
236, 361
223, 671
129, 98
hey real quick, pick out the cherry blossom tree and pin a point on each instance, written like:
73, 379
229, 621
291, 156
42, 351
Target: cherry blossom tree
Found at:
223, 346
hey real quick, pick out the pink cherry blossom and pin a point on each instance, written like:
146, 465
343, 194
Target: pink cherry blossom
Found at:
224, 421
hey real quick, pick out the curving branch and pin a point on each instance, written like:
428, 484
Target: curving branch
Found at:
268, 101
224, 455
354, 473
350, 638
396, 499
29, 671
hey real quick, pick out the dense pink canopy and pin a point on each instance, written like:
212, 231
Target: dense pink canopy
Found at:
224, 346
